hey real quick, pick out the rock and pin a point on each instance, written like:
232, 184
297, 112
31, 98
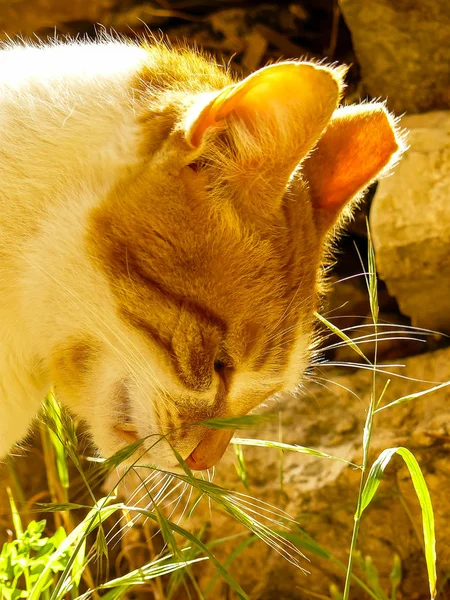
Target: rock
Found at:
27, 17
410, 222
403, 50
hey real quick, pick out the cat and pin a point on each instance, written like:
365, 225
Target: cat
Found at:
163, 228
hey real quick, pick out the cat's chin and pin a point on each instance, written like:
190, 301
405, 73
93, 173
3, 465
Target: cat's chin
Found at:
146, 454
205, 455
144, 460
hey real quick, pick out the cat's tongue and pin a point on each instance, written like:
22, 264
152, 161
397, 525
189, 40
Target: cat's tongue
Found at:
210, 450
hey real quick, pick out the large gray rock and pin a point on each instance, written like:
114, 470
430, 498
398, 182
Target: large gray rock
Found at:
403, 50
410, 222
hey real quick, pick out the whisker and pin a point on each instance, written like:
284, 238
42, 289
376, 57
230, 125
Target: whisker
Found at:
370, 339
158, 499
291, 308
282, 333
96, 317
121, 532
379, 369
339, 385
413, 328
177, 501
350, 277
188, 501
146, 481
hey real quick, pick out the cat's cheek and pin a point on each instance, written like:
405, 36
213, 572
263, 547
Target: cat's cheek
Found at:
299, 360
119, 416
85, 381
71, 366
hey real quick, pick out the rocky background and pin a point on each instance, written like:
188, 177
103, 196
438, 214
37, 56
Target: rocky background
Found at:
398, 50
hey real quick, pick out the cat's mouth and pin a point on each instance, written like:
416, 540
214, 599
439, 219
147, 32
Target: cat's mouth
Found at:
210, 450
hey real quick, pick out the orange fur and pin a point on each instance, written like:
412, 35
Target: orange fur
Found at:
205, 251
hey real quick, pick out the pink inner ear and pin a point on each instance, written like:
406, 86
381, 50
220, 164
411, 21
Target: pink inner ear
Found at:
290, 103
358, 144
206, 119
215, 112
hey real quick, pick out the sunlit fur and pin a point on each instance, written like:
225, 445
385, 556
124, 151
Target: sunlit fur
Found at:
153, 280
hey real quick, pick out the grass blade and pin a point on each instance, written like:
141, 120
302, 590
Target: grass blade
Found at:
53, 410
395, 576
371, 277
371, 282
17, 521
414, 396
423, 495
243, 508
303, 540
342, 335
234, 554
240, 464
242, 422
290, 448
140, 576
75, 538
189, 536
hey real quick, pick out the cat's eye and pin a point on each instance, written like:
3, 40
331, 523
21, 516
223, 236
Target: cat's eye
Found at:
224, 370
199, 164
194, 166
219, 366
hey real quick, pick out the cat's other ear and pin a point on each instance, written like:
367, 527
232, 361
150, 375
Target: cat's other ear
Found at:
285, 107
360, 144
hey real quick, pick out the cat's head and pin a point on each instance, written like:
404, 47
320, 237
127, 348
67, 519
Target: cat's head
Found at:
210, 252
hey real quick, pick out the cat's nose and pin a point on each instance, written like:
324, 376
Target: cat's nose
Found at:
210, 450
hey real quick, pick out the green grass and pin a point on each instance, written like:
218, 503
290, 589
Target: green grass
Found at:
73, 562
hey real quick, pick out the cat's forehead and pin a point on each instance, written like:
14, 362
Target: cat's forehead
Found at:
169, 235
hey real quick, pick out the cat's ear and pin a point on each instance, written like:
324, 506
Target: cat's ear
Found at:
285, 106
360, 143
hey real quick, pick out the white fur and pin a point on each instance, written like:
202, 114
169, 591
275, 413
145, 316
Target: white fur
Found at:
68, 129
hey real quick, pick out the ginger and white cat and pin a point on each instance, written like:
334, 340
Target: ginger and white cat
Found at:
162, 229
